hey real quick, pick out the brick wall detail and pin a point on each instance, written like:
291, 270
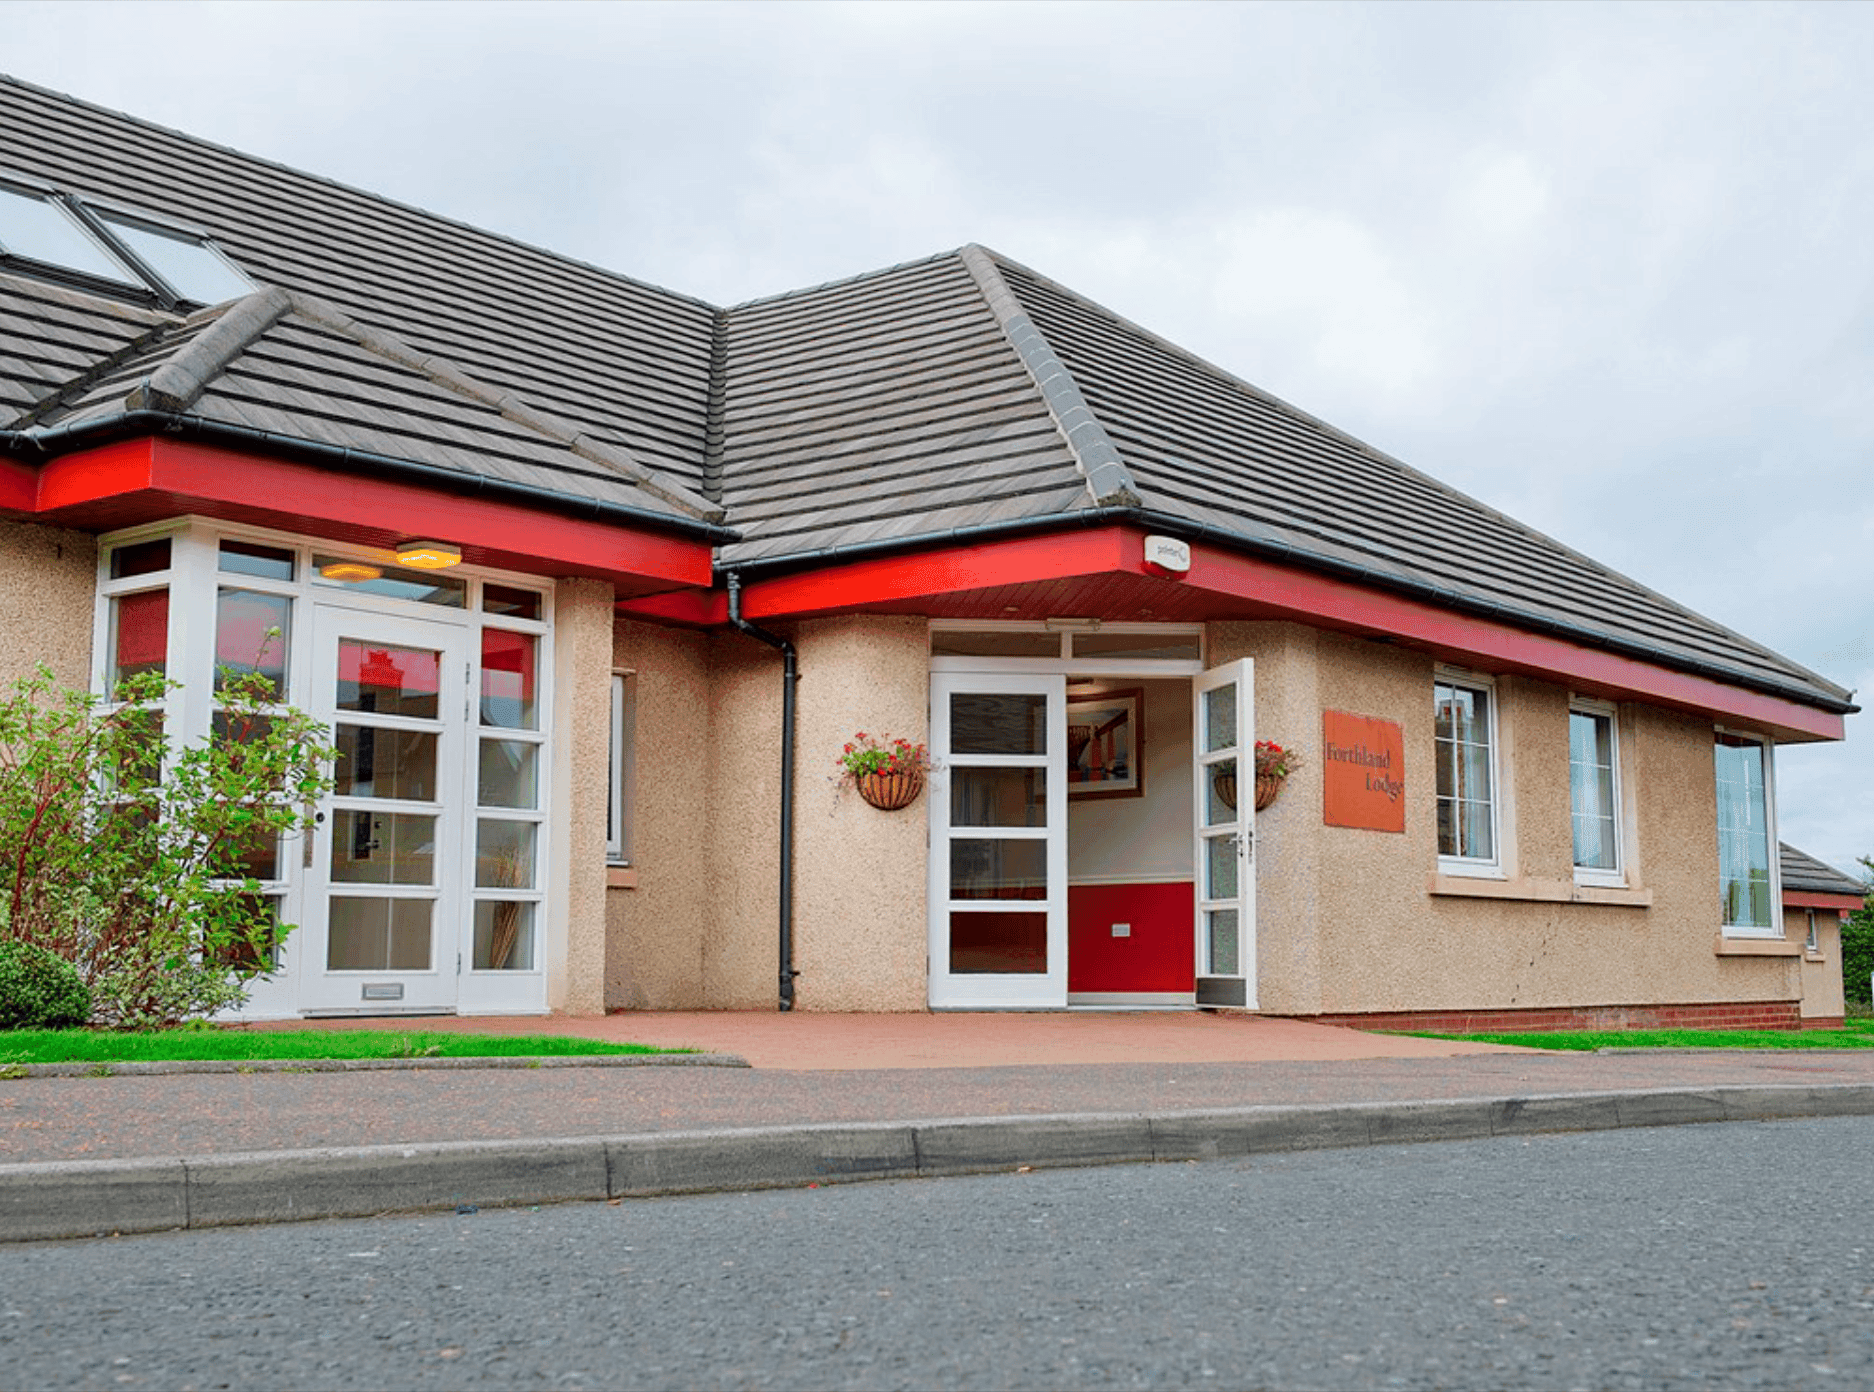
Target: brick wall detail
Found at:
1781, 1015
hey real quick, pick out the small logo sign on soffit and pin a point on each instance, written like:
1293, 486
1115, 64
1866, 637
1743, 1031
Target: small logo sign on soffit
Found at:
1168, 553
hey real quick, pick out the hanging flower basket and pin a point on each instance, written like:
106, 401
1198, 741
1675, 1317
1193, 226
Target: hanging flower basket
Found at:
888, 772
890, 792
1223, 782
1267, 786
1273, 766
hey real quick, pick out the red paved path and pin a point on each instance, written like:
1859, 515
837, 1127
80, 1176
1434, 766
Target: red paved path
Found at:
50, 1119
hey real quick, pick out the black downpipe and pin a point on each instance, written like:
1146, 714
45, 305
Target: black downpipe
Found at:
790, 677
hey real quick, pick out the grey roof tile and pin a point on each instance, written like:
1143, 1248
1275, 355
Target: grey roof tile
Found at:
1805, 874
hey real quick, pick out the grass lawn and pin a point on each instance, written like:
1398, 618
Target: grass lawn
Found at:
1855, 1034
108, 1046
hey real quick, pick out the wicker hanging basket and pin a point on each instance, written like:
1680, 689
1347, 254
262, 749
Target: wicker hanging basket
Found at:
890, 792
1267, 786
1223, 783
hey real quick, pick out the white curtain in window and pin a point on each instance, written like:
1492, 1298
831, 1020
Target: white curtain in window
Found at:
1743, 833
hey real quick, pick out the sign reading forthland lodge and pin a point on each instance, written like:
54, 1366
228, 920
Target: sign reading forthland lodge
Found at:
1363, 771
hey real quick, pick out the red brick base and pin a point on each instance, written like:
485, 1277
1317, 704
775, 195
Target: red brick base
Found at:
1782, 1015
1824, 1021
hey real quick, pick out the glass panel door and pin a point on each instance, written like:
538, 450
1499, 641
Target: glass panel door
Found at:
383, 919
998, 886
1225, 745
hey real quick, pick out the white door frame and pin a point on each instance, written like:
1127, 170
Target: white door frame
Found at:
322, 990
954, 990
1224, 853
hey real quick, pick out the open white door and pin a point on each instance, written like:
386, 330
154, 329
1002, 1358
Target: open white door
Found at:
1225, 786
998, 862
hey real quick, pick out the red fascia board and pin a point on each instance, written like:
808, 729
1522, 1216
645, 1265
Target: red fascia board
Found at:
893, 579
1804, 899
694, 608
1279, 591
296, 497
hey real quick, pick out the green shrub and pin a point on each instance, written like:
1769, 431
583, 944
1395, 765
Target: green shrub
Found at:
1857, 946
125, 852
39, 990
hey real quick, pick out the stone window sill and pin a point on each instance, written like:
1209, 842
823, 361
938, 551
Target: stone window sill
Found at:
621, 877
1757, 947
1538, 891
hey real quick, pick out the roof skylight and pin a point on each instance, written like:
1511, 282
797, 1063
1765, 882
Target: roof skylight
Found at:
60, 237
41, 230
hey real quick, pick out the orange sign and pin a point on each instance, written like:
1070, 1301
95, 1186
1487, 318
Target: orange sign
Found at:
1363, 771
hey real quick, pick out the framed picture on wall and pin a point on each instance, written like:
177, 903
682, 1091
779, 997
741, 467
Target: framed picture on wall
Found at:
1106, 743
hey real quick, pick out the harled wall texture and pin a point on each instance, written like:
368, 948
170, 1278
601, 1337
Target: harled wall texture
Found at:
48, 583
1823, 997
1348, 922
582, 694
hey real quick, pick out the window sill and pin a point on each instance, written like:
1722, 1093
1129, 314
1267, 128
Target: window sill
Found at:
1757, 947
1538, 891
1816, 957
621, 877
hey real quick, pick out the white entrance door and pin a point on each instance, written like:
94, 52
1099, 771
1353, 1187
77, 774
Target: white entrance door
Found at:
998, 876
1225, 786
384, 905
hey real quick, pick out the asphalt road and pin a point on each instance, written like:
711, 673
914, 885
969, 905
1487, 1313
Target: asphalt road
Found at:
1718, 1256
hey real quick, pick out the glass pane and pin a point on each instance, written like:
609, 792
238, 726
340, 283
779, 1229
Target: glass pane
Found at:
140, 761
982, 723
250, 558
1477, 835
991, 644
387, 680
1220, 793
245, 636
1743, 837
139, 634
508, 776
391, 581
1220, 862
998, 869
504, 599
140, 558
998, 797
40, 229
1220, 718
383, 848
192, 270
1171, 647
1220, 941
504, 935
245, 954
504, 855
378, 935
1473, 772
998, 942
508, 679
257, 858
374, 763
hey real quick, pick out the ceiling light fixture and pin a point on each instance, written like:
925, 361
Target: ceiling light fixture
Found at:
428, 555
350, 572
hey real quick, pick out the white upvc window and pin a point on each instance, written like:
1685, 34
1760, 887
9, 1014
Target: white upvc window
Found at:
1594, 791
621, 784
1747, 869
1465, 742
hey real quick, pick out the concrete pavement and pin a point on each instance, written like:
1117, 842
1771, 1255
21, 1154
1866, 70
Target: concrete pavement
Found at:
831, 1098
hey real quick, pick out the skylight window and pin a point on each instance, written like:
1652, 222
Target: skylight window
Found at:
41, 230
191, 267
58, 236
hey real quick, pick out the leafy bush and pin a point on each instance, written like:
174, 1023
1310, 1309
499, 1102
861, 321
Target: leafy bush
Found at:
1857, 944
126, 854
38, 990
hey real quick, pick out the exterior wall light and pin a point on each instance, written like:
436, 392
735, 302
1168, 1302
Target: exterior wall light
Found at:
350, 572
428, 555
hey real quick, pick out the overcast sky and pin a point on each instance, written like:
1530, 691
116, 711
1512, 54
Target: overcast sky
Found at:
1607, 267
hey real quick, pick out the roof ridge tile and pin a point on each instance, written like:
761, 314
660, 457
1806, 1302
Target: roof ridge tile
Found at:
1109, 482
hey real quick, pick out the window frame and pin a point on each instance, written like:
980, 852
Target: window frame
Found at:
1616, 877
1767, 749
622, 768
1476, 867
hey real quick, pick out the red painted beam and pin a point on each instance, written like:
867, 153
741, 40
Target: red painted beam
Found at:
1270, 590
183, 476
696, 608
1803, 899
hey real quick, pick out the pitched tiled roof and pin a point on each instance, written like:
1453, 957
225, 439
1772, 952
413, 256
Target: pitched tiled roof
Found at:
1807, 875
949, 398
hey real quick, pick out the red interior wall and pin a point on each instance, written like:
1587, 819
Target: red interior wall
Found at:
1159, 956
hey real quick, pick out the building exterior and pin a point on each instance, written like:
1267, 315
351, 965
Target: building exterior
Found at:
568, 561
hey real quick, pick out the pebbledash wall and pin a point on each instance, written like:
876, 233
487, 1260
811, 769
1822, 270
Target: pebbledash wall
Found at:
1352, 924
